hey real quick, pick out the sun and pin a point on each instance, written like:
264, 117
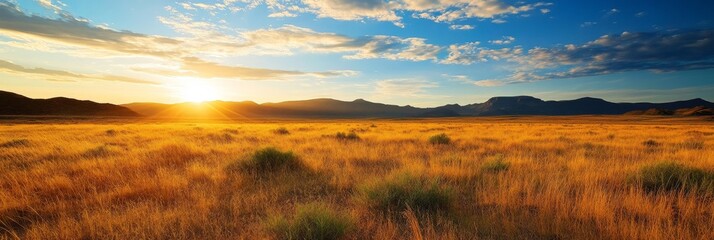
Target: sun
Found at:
197, 91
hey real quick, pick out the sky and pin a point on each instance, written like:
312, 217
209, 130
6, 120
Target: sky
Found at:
407, 52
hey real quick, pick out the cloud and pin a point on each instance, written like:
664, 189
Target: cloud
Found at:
661, 51
79, 32
447, 11
195, 67
469, 53
611, 12
505, 40
49, 5
384, 10
202, 38
467, 80
289, 38
354, 9
588, 24
461, 27
6, 66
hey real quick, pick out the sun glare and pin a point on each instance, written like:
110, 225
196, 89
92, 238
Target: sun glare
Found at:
193, 91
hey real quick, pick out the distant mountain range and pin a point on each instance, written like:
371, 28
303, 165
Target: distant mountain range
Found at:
14, 104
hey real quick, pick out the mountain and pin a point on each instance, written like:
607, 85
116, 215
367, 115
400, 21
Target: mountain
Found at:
695, 111
315, 108
15, 104
526, 105
331, 108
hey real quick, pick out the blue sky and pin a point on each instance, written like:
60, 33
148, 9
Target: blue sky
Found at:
416, 52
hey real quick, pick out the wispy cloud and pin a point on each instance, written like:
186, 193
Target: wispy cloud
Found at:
505, 40
199, 68
461, 27
381, 10
78, 32
9, 67
71, 31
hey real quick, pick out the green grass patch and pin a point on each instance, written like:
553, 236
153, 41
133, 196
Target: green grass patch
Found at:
352, 136
311, 221
270, 159
496, 165
670, 176
281, 131
395, 193
440, 139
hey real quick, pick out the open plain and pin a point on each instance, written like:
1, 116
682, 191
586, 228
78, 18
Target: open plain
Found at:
581, 177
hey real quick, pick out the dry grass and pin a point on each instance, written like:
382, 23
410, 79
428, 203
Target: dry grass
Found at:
534, 178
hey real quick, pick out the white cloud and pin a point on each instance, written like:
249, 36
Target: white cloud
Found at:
381, 10
461, 27
66, 76
505, 40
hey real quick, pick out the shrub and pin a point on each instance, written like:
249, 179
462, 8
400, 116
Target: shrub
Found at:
311, 221
271, 159
97, 152
694, 144
281, 131
440, 139
348, 136
497, 165
220, 138
650, 143
15, 143
399, 191
175, 155
671, 176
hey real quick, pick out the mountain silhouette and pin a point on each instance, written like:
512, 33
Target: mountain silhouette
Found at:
695, 111
14, 104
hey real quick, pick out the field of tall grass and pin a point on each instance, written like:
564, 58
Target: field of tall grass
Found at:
470, 178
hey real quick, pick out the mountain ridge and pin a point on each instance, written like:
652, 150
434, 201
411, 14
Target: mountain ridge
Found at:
12, 104
16, 104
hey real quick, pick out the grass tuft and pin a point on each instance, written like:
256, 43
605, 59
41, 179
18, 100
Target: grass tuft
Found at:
281, 131
352, 136
15, 143
271, 159
497, 165
693, 144
403, 190
311, 221
670, 176
651, 143
441, 139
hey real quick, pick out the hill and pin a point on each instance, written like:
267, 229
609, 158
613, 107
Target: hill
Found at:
694, 111
360, 108
15, 104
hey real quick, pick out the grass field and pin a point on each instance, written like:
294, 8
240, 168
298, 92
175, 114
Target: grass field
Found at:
485, 178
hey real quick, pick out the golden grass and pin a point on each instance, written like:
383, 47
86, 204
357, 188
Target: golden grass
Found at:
536, 178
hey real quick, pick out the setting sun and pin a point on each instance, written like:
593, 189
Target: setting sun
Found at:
194, 91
